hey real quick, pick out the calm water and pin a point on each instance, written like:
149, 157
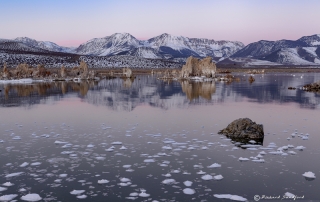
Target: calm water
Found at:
164, 130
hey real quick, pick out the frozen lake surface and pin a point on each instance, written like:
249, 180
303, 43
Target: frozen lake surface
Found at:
153, 140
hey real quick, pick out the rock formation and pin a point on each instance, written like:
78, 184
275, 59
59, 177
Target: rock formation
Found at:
196, 67
63, 72
243, 129
83, 68
23, 71
312, 87
5, 73
127, 72
251, 79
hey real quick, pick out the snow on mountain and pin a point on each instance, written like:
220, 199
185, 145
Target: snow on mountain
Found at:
46, 45
291, 56
110, 45
313, 40
15, 46
162, 46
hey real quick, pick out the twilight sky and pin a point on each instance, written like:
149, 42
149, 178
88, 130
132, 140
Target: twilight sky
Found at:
72, 22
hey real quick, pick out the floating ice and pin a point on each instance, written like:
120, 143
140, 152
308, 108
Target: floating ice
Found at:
77, 192
125, 179
279, 152
300, 148
123, 148
8, 184
90, 145
309, 175
16, 138
35, 164
3, 188
175, 171
149, 160
100, 158
143, 193
126, 166
14, 174
289, 195
243, 159
116, 143
168, 181
110, 150
63, 175
249, 146
166, 147
187, 183
292, 152
103, 181
207, 177
218, 177
134, 194
201, 172
258, 160
189, 191
31, 197
22, 190
231, 197
167, 175
24, 164
263, 153
215, 165
82, 196
60, 142
8, 197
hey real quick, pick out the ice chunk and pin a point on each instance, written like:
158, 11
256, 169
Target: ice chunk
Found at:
3, 188
116, 143
309, 175
24, 164
289, 195
143, 193
207, 177
201, 172
149, 160
215, 165
258, 160
189, 191
63, 175
31, 197
60, 142
8, 197
167, 147
77, 192
126, 166
187, 183
14, 174
243, 159
168, 181
123, 148
100, 158
103, 181
125, 179
292, 152
300, 148
231, 197
218, 177
90, 145
82, 196
35, 164
8, 184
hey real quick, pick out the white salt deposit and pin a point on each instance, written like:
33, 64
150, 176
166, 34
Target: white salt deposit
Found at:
189, 191
309, 175
215, 165
77, 192
187, 183
218, 177
82, 196
8, 197
31, 197
207, 177
14, 174
103, 181
168, 181
24, 164
231, 197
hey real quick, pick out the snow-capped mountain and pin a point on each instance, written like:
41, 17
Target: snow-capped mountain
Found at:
162, 46
110, 45
311, 41
45, 45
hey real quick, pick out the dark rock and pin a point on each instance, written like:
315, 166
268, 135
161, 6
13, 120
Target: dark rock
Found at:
243, 128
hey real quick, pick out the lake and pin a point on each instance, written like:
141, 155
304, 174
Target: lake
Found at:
152, 140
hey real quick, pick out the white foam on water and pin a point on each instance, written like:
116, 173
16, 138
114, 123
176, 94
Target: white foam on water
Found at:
187, 183
14, 174
231, 197
168, 181
77, 192
31, 197
309, 175
8, 197
188, 191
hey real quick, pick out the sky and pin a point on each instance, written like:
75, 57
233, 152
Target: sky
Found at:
72, 22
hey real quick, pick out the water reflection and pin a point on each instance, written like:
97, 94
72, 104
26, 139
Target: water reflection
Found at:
126, 94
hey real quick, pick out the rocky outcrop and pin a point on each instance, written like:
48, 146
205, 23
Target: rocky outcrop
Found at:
127, 72
63, 72
243, 129
197, 67
312, 87
5, 73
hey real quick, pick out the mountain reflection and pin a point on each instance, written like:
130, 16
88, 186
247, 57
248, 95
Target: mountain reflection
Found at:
127, 94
